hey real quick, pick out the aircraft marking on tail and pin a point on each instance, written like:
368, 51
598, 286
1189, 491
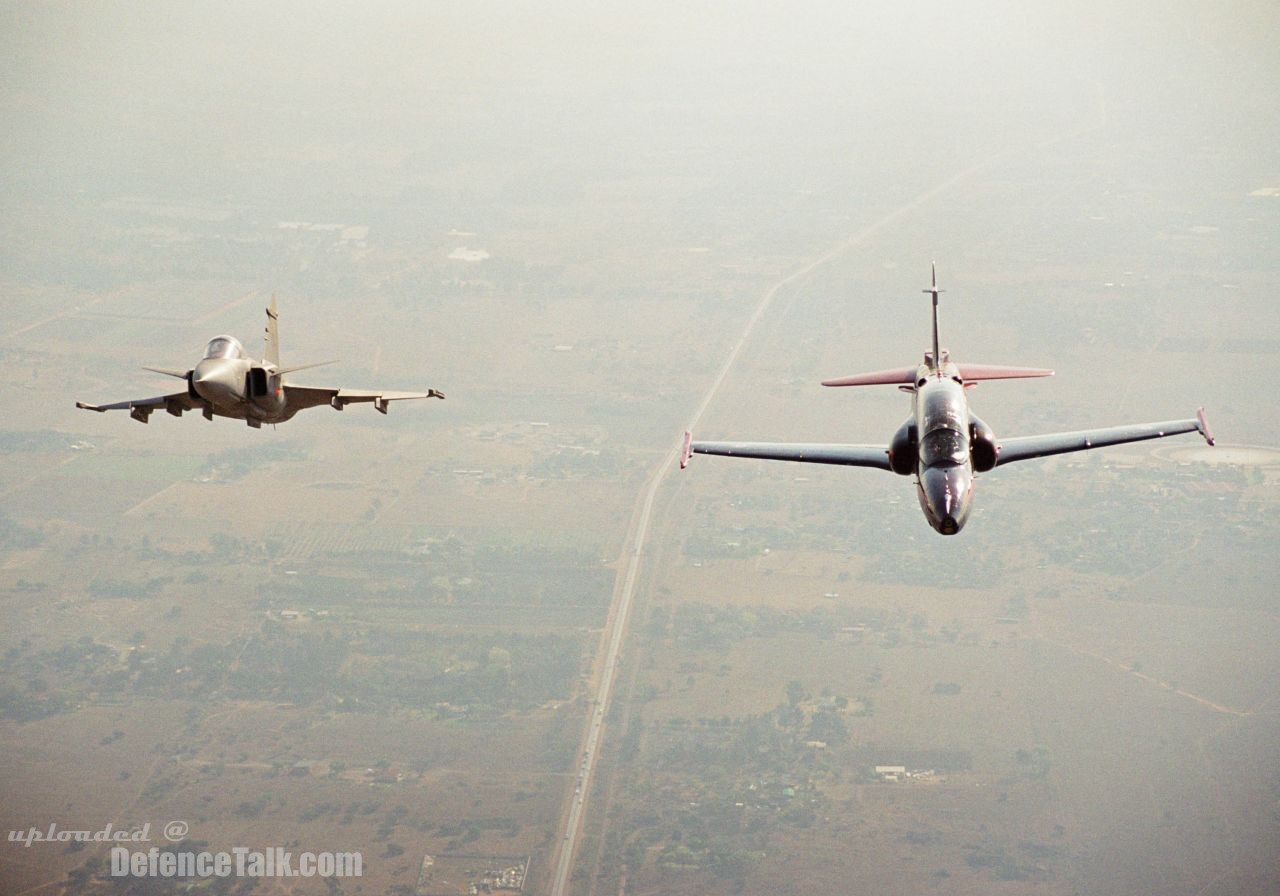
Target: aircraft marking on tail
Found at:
271, 337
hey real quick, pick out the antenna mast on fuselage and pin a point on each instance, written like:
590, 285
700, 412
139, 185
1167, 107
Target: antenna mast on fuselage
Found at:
934, 291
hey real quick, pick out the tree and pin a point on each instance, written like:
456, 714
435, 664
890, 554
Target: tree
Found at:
829, 728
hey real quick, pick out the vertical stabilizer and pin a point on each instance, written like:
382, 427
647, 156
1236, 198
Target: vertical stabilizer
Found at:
271, 338
933, 290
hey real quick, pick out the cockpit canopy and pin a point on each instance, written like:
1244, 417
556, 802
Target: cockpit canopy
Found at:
944, 408
224, 347
944, 424
944, 446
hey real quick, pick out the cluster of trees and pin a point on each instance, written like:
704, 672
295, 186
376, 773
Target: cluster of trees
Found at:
482, 672
30, 704
104, 588
234, 463
750, 542
607, 462
716, 788
772, 743
45, 682
718, 626
16, 537
377, 671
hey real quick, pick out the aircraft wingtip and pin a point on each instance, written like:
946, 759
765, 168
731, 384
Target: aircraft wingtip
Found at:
1202, 424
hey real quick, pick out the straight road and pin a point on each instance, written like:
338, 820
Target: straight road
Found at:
620, 614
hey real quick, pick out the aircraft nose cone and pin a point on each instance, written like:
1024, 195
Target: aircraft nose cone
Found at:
945, 492
215, 380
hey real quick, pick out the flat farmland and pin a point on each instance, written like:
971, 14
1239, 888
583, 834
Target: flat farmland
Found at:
369, 633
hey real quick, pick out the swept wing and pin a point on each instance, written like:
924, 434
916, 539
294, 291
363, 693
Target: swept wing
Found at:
140, 408
1027, 447
811, 453
310, 396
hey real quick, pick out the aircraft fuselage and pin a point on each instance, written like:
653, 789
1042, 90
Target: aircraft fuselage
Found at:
943, 444
235, 386
944, 467
227, 382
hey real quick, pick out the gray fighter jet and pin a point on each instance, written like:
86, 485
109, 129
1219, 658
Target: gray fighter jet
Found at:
943, 444
228, 383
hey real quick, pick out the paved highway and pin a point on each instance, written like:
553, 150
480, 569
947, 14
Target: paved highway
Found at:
621, 611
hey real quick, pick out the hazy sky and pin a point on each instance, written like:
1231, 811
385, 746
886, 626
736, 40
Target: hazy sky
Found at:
139, 96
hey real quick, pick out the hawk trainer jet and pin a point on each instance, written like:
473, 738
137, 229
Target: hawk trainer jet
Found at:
944, 444
228, 383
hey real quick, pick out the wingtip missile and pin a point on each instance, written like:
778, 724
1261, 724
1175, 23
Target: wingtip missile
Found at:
686, 449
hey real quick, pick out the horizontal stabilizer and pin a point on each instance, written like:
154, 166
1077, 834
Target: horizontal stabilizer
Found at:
898, 376
974, 372
295, 368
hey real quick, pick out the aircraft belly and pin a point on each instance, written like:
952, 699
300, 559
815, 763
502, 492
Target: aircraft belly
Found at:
268, 410
231, 412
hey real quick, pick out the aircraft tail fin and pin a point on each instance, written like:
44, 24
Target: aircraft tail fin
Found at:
934, 291
905, 377
271, 338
